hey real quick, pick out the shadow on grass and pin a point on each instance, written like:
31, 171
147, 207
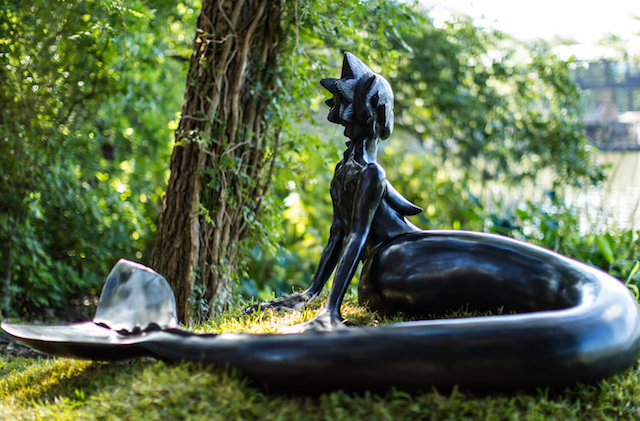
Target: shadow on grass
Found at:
64, 379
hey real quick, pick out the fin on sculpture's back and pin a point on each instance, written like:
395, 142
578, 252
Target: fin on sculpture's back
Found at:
135, 297
399, 203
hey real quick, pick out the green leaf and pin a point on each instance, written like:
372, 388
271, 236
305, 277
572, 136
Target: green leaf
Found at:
634, 270
604, 245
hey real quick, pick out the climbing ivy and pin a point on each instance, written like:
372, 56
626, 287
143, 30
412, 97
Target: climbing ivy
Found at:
88, 95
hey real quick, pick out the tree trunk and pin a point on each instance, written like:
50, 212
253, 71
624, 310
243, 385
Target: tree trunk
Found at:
223, 159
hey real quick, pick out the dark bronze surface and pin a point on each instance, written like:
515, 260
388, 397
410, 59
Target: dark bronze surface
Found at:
575, 322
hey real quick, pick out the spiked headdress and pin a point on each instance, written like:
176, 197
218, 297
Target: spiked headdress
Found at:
360, 98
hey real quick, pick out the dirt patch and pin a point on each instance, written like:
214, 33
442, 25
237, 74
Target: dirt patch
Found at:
10, 348
13, 349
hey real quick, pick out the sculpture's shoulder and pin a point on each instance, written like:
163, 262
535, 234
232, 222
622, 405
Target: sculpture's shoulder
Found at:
374, 172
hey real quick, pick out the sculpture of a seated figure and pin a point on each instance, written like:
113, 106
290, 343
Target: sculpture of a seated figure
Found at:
406, 269
367, 211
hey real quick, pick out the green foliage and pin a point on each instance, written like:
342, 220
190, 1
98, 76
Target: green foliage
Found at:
87, 100
144, 389
497, 110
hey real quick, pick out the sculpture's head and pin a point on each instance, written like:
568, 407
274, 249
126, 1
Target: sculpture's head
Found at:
362, 101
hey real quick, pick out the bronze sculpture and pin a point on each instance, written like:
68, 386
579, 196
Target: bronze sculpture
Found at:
577, 323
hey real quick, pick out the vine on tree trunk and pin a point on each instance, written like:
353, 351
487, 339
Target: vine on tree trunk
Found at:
222, 163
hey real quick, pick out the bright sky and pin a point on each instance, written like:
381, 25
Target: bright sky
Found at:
585, 21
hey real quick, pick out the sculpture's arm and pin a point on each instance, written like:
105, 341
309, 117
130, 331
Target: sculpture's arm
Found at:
327, 263
371, 188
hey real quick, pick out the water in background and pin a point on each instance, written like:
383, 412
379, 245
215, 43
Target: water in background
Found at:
617, 202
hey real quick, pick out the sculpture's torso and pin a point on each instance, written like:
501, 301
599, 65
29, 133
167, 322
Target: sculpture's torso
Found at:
387, 223
343, 189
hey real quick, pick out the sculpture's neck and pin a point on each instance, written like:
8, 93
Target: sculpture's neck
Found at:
365, 149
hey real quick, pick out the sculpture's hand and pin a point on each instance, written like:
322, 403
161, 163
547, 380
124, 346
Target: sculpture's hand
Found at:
325, 267
290, 303
325, 321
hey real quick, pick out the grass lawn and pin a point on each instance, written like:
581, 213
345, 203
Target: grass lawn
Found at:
61, 388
